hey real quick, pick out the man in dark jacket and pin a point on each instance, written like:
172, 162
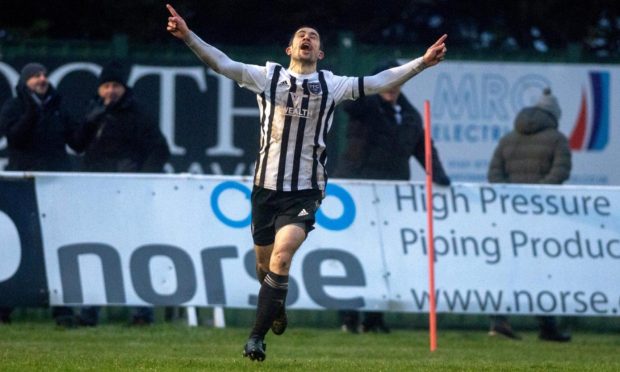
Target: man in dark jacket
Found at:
534, 152
117, 136
384, 131
36, 125
37, 128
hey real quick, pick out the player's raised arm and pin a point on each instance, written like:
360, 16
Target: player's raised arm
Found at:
209, 54
399, 75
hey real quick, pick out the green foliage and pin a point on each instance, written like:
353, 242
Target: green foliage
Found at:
27, 346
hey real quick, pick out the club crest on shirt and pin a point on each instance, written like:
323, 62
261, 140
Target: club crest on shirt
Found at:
314, 88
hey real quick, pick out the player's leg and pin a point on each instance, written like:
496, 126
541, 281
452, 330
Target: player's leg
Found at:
280, 263
274, 288
255, 346
263, 255
299, 212
282, 220
263, 233
288, 240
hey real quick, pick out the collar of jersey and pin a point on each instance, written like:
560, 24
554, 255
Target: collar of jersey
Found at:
302, 76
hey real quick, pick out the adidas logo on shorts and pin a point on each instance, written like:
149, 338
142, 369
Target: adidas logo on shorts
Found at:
302, 213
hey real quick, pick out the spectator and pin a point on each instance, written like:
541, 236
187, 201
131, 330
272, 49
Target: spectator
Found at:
36, 124
534, 152
117, 136
384, 131
37, 127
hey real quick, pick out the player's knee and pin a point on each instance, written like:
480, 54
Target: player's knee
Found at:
281, 267
281, 261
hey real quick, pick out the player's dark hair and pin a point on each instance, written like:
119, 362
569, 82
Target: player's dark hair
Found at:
290, 41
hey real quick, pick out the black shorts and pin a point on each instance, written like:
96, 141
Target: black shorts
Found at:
273, 209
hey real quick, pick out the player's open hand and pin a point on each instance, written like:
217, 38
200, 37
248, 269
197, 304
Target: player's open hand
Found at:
176, 24
436, 52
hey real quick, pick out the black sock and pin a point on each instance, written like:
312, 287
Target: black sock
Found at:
270, 299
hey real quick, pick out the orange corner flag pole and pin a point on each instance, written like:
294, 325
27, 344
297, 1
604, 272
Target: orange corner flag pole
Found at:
432, 313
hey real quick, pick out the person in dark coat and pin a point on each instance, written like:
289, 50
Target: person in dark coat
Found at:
535, 152
118, 136
37, 128
383, 133
36, 124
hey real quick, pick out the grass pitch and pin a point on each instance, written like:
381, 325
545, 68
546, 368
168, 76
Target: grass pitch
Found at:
174, 347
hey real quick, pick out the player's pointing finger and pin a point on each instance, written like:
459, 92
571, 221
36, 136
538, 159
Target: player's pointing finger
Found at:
441, 39
171, 10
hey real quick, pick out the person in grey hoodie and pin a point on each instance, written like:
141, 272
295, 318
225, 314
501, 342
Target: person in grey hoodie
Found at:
535, 152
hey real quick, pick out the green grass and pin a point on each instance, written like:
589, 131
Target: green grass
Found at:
35, 346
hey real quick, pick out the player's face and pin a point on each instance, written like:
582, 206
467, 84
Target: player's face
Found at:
305, 45
111, 92
38, 83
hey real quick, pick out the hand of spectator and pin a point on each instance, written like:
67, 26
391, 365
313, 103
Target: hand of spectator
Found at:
436, 52
95, 111
176, 24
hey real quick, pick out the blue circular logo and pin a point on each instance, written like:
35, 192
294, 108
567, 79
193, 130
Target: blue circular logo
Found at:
348, 207
215, 196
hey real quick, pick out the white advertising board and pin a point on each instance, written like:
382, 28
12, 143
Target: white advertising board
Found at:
185, 240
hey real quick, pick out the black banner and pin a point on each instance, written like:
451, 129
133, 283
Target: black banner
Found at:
22, 272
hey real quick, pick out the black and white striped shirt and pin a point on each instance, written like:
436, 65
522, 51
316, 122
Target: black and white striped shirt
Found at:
296, 112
